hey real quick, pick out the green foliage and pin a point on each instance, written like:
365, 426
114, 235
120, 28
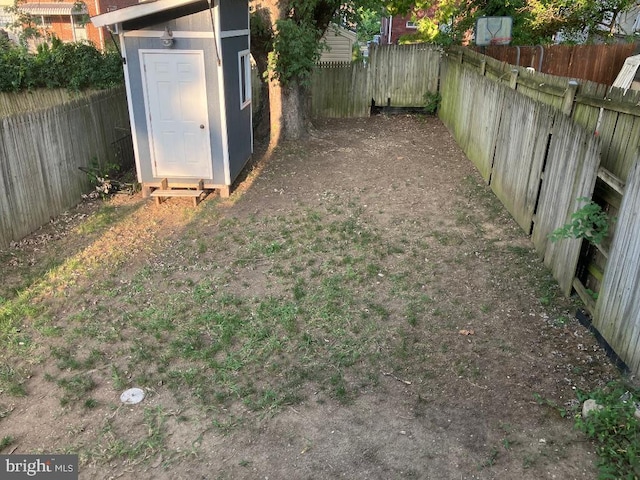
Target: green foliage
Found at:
431, 102
296, 51
615, 430
101, 177
589, 222
367, 23
534, 21
74, 66
6, 441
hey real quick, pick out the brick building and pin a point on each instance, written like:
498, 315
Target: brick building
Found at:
396, 26
69, 21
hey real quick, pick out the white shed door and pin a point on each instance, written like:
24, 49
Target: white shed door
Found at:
176, 107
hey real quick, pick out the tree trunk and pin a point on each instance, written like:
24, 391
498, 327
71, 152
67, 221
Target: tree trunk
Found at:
288, 107
288, 110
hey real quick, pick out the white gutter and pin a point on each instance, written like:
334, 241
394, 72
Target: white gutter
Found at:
100, 30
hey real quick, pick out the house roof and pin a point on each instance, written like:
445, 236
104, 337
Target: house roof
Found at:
339, 30
139, 10
53, 8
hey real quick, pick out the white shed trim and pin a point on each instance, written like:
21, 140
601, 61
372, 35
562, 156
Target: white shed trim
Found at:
136, 11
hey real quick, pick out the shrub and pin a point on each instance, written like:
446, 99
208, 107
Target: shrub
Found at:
75, 66
615, 430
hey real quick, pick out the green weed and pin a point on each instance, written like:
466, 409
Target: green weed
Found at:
6, 441
614, 429
75, 388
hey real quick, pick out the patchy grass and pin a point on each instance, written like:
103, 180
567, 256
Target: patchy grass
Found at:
227, 317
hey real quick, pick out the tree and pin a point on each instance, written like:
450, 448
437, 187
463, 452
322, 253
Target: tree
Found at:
593, 18
368, 23
286, 45
534, 21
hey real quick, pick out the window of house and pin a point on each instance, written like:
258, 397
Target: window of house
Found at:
412, 25
47, 20
244, 70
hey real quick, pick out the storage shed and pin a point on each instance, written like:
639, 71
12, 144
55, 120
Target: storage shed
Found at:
188, 80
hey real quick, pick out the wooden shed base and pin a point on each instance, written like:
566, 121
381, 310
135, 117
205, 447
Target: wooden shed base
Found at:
161, 191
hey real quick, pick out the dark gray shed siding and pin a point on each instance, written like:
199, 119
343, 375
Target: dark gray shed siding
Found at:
234, 15
239, 144
133, 45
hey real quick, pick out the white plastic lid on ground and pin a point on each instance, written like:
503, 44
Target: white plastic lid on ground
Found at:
132, 396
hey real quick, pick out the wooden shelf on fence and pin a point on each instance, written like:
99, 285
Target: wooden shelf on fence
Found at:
610, 179
586, 298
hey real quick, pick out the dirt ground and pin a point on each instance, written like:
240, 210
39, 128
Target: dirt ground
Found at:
474, 384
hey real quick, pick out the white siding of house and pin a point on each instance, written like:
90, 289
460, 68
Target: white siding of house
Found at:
340, 41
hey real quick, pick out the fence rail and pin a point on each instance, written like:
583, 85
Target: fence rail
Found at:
40, 156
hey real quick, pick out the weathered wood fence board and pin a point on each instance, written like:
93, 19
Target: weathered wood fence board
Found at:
617, 313
471, 107
12, 103
583, 113
571, 163
340, 90
619, 146
544, 88
398, 74
525, 126
605, 111
570, 173
41, 154
403, 74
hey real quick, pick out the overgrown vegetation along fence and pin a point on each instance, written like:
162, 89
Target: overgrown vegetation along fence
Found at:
596, 63
540, 161
40, 156
396, 75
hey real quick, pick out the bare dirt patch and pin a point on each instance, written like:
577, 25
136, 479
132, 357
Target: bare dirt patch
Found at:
362, 307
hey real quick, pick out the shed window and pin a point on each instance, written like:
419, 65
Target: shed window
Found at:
244, 70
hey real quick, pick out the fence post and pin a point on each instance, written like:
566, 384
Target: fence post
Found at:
513, 81
569, 97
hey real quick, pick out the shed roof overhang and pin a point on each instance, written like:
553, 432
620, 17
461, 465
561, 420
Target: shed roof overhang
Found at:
53, 8
160, 9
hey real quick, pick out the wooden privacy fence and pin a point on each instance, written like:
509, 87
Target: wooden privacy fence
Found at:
617, 311
397, 75
540, 162
29, 101
40, 156
611, 113
596, 63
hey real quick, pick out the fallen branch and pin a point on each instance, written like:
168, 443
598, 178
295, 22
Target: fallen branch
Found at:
406, 382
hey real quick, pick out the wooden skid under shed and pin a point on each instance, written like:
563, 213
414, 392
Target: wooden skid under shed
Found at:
197, 192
